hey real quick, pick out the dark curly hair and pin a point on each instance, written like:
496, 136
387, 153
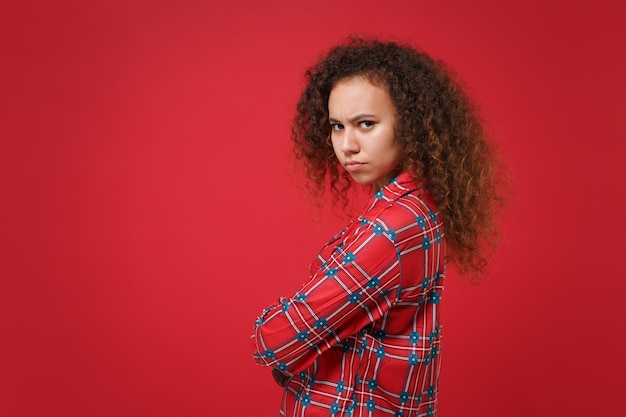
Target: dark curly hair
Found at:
439, 129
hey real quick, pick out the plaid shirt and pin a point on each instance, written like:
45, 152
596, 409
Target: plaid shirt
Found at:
363, 336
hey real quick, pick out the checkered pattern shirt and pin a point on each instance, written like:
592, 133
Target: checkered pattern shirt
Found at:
363, 336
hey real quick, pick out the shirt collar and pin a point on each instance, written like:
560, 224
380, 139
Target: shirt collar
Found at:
397, 187
401, 185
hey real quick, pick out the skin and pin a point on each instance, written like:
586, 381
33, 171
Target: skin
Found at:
362, 117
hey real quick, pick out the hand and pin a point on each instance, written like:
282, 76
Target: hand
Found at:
280, 378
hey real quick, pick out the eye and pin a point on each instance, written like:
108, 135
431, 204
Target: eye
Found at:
336, 126
366, 124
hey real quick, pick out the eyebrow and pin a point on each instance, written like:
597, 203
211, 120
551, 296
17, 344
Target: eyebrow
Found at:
353, 118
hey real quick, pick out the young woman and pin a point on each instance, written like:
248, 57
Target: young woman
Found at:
363, 336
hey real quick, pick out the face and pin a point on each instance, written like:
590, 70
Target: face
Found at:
362, 118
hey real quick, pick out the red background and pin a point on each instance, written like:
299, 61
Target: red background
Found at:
150, 211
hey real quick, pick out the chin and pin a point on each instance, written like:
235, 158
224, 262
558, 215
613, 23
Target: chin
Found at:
362, 181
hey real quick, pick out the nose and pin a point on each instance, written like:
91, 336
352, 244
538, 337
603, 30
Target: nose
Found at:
349, 143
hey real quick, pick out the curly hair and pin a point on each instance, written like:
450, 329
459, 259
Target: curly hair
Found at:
442, 138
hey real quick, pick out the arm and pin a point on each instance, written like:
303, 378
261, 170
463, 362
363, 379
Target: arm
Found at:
354, 286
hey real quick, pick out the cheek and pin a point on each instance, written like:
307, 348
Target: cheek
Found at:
400, 154
391, 148
397, 149
394, 156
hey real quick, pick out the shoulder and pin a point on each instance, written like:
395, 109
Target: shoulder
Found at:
409, 208
404, 210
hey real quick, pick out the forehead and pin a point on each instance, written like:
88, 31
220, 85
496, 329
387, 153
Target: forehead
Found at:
359, 93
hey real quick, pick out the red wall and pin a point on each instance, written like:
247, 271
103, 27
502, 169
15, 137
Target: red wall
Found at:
149, 210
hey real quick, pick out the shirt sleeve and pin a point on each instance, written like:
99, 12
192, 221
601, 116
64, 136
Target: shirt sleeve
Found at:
352, 286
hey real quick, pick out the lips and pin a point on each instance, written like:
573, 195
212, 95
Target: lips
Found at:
353, 166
